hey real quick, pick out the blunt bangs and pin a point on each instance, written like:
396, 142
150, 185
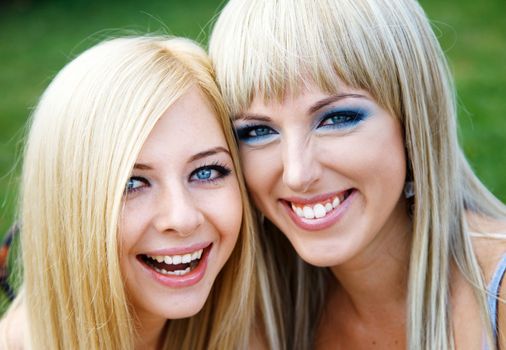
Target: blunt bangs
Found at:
364, 44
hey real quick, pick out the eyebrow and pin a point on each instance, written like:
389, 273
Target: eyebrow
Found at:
315, 107
141, 166
200, 155
209, 152
256, 117
331, 99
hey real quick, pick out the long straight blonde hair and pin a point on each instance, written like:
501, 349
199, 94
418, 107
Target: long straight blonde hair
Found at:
269, 48
85, 135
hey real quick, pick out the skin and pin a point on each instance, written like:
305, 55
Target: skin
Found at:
176, 198
489, 251
299, 150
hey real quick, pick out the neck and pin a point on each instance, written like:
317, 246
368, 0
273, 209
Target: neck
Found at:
149, 330
373, 284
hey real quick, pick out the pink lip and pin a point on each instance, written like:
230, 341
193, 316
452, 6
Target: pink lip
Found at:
190, 279
320, 224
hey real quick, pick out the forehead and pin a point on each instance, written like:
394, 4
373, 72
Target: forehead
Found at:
187, 127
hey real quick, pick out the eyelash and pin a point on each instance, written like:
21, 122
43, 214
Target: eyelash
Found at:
136, 178
243, 133
221, 169
342, 118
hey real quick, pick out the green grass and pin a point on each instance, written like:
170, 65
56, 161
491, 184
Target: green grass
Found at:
473, 36
37, 40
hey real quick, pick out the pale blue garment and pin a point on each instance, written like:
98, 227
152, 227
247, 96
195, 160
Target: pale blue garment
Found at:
493, 290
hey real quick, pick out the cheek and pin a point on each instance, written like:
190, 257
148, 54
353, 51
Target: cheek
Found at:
384, 168
133, 221
390, 156
261, 168
223, 209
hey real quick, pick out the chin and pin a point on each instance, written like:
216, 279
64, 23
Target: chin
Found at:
319, 261
174, 312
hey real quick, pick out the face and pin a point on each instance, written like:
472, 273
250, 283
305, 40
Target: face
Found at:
328, 170
182, 213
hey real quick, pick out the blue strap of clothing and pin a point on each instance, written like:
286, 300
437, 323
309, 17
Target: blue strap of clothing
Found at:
493, 290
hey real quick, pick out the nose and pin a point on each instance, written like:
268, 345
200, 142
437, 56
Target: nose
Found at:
301, 168
177, 212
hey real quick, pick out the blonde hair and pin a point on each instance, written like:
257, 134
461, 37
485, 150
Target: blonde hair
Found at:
270, 48
86, 133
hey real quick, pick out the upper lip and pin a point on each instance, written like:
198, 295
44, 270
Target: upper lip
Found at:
179, 250
314, 199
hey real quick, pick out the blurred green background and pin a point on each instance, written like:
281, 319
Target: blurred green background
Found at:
38, 37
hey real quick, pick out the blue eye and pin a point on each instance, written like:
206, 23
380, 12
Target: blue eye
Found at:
209, 173
343, 118
135, 183
204, 174
255, 134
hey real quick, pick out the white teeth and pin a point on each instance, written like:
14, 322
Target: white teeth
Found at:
308, 212
319, 211
177, 259
298, 211
187, 258
175, 273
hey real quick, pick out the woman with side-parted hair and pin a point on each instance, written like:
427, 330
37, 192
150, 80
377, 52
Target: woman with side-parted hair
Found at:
136, 232
377, 231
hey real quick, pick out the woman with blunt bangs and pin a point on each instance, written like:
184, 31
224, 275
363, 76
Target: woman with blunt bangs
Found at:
346, 118
115, 266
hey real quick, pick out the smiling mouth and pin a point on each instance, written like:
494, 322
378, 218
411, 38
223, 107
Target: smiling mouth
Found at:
320, 209
174, 265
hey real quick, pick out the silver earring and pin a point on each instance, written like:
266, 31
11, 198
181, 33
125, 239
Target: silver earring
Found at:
409, 189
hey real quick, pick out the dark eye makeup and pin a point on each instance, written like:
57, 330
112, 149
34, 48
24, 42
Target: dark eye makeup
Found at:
207, 173
342, 118
254, 133
210, 173
335, 118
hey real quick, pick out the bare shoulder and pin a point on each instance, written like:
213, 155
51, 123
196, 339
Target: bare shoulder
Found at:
490, 247
501, 318
12, 327
489, 242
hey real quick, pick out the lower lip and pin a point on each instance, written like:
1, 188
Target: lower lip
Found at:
322, 223
191, 278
